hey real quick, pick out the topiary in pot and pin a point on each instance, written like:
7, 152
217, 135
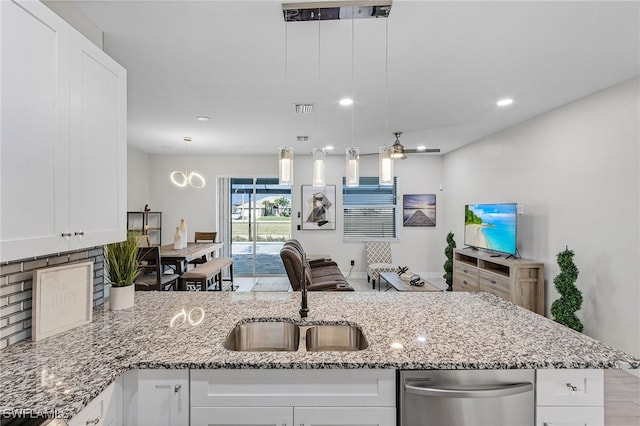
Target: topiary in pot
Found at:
570, 301
448, 264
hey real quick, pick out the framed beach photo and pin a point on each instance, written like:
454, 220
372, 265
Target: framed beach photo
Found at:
318, 207
419, 210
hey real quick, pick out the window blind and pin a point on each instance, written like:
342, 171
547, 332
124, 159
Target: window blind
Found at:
369, 209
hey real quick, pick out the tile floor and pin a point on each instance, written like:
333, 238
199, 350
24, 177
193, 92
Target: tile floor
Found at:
621, 389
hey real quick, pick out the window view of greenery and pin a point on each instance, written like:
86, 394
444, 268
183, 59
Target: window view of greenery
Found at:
273, 219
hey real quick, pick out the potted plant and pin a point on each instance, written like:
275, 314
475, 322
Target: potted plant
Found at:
122, 269
564, 309
448, 264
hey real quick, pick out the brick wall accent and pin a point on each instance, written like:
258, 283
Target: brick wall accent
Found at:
16, 281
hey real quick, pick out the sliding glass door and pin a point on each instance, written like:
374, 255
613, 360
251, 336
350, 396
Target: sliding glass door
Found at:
260, 224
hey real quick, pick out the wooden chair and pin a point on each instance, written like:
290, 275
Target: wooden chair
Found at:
204, 237
152, 277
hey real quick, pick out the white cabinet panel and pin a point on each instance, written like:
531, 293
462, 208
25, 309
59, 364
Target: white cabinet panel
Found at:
103, 410
156, 397
570, 387
35, 125
345, 416
245, 416
570, 416
98, 146
324, 387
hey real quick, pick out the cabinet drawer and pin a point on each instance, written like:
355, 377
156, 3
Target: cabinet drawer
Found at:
463, 282
570, 387
268, 388
494, 283
464, 269
570, 416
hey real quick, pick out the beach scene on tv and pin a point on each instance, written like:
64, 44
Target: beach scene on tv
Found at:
491, 226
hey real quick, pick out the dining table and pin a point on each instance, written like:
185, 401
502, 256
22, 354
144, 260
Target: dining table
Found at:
179, 258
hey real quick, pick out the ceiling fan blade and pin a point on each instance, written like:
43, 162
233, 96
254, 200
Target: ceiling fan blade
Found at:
421, 151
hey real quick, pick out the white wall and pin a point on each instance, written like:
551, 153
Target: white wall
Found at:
137, 179
575, 171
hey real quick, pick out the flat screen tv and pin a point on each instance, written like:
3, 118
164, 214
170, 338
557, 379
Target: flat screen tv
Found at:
491, 227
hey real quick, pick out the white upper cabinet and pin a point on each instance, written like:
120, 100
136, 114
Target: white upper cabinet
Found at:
63, 137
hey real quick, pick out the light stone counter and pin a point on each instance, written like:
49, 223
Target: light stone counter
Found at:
433, 330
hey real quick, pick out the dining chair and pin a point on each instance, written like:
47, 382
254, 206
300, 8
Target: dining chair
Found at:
151, 276
378, 260
204, 237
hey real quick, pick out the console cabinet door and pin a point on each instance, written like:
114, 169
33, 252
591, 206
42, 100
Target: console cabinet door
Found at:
222, 416
98, 173
345, 416
34, 169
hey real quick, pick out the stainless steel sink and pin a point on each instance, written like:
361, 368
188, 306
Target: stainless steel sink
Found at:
335, 338
259, 336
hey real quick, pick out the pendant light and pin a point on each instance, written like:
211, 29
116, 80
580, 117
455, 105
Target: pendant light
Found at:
181, 179
319, 155
385, 165
285, 166
352, 159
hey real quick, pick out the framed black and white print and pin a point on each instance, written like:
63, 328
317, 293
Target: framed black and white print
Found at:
318, 207
419, 210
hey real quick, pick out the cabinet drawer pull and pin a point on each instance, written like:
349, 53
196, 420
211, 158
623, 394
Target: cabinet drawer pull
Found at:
79, 233
465, 282
66, 234
572, 388
465, 271
93, 422
177, 388
492, 281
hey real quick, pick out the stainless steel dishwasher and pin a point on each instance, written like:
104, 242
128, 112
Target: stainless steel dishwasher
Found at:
466, 397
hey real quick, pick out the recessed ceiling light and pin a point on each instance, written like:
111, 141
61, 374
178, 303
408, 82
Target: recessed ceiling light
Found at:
328, 147
203, 118
504, 102
346, 101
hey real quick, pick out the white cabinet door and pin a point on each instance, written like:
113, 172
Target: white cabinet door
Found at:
156, 397
222, 416
570, 416
98, 131
103, 410
345, 416
35, 125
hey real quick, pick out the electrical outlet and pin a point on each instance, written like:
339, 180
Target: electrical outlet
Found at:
353, 262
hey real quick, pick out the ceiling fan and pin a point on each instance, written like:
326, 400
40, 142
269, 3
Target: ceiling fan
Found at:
400, 152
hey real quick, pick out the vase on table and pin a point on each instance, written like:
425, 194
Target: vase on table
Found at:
183, 231
177, 239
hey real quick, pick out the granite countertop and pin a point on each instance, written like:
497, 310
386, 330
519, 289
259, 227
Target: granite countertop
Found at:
436, 330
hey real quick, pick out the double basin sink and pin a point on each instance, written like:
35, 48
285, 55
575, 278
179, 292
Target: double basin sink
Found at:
283, 335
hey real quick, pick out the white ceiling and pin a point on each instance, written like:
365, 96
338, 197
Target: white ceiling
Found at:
433, 70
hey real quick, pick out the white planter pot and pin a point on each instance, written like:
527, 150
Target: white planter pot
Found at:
121, 297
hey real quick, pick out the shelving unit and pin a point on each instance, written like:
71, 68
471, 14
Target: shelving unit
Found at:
149, 223
516, 280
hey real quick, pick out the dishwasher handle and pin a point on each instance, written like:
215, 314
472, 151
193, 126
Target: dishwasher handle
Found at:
420, 387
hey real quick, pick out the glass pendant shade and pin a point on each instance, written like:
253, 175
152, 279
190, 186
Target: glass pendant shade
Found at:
318, 167
353, 166
285, 166
385, 165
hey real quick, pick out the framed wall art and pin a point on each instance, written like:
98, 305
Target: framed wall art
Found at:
419, 210
318, 207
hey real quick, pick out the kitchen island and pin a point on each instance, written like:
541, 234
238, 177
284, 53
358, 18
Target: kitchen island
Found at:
175, 330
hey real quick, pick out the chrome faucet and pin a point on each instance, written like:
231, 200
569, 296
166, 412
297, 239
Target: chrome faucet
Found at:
304, 310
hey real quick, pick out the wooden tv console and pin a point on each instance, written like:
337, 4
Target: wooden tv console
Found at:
516, 280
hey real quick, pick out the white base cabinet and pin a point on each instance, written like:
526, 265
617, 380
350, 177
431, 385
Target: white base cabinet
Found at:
567, 397
288, 397
156, 398
103, 410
